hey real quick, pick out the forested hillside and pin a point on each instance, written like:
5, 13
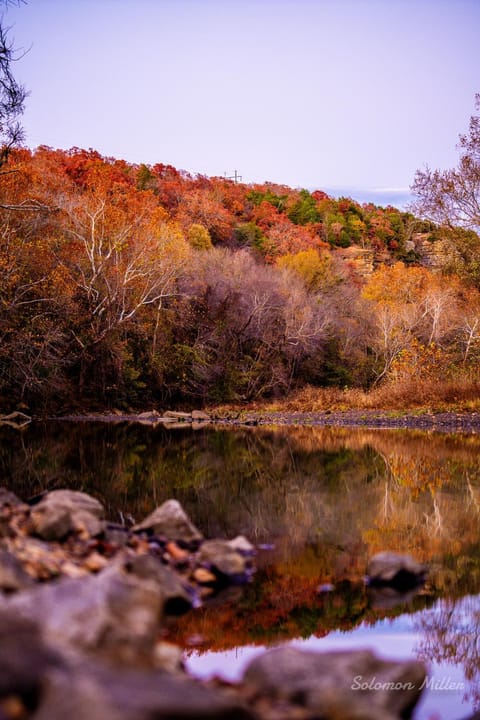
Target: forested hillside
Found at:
130, 285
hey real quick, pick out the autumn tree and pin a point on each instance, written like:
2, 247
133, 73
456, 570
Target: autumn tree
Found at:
410, 305
451, 198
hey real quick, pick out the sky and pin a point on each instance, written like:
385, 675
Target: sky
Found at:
342, 95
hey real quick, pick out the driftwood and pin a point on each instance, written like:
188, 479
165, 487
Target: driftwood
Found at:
15, 419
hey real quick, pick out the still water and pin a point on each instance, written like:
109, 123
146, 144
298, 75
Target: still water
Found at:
318, 502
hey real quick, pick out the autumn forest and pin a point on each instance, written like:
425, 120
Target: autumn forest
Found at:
127, 285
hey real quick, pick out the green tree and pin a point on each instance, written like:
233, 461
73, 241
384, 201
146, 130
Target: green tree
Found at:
304, 210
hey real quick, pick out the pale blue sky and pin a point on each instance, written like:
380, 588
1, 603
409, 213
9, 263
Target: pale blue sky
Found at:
354, 94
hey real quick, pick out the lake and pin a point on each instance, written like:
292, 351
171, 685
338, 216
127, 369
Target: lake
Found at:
318, 502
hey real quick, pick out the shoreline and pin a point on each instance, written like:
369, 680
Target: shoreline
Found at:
443, 421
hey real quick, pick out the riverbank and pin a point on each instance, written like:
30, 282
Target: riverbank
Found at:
419, 420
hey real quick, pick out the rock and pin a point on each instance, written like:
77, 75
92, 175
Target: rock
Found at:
204, 576
354, 685
113, 613
76, 695
64, 511
168, 657
176, 415
399, 571
223, 559
242, 545
9, 507
8, 498
386, 597
149, 415
75, 500
159, 695
176, 598
25, 659
176, 553
12, 574
39, 559
171, 521
200, 416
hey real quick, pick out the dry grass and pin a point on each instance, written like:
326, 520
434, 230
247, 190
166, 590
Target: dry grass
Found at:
460, 395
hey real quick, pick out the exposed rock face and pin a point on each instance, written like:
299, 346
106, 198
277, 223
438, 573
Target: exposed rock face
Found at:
171, 521
398, 571
64, 511
352, 685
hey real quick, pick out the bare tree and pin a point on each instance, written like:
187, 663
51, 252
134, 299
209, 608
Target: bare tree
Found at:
12, 93
451, 198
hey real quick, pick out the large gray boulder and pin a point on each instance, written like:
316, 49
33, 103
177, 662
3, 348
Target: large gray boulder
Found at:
352, 685
51, 684
171, 521
63, 511
113, 614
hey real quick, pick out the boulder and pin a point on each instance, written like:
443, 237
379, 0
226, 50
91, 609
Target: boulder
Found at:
25, 659
401, 572
12, 574
8, 498
63, 511
177, 415
152, 694
176, 597
242, 545
224, 559
352, 685
200, 416
114, 614
171, 521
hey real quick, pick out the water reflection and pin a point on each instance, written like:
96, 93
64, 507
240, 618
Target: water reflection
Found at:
328, 498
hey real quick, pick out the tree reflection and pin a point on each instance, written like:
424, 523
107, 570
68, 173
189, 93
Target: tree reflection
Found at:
450, 633
328, 498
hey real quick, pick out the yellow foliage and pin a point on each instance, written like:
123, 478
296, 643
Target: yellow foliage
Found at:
314, 267
199, 237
